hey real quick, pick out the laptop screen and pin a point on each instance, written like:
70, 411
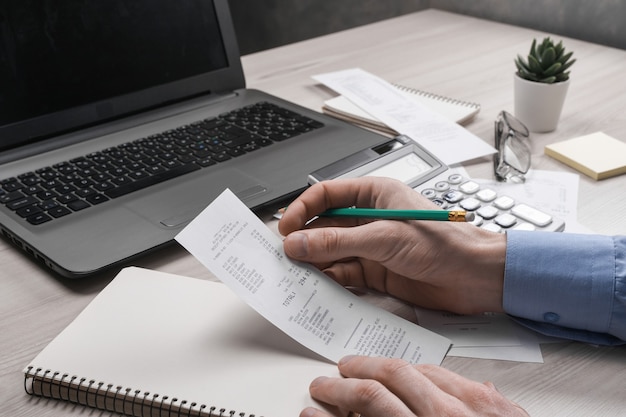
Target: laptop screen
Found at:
76, 62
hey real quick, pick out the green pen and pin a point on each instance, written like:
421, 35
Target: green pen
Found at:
392, 214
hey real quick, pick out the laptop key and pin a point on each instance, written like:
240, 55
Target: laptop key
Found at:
22, 202
97, 199
151, 180
28, 211
11, 196
78, 205
59, 211
38, 218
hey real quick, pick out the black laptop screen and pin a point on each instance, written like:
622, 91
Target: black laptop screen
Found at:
59, 55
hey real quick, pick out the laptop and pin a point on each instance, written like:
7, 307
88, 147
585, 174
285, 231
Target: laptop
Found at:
120, 121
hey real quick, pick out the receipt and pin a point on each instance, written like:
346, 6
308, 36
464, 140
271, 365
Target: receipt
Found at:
242, 252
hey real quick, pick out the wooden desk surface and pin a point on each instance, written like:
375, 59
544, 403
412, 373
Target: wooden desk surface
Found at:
447, 54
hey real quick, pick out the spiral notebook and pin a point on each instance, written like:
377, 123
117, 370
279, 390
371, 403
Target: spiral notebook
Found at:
156, 344
457, 110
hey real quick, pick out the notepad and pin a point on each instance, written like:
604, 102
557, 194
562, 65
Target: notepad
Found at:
597, 155
456, 110
153, 343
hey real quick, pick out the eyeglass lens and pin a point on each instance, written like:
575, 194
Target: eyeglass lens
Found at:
513, 158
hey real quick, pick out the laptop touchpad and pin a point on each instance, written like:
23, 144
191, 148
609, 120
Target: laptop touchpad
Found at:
187, 215
174, 207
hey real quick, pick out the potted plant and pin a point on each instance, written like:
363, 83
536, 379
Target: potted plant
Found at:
541, 84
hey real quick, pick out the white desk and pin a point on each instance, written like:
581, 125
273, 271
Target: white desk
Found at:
448, 54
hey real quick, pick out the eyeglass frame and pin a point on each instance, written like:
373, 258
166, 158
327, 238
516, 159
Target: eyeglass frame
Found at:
504, 170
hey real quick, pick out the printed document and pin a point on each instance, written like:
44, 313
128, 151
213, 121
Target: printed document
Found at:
242, 252
446, 139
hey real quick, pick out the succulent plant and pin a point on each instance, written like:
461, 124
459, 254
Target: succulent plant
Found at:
547, 62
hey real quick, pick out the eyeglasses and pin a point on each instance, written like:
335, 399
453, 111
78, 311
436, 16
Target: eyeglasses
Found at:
513, 158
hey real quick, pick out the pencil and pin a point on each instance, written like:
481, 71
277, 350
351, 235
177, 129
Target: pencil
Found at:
391, 214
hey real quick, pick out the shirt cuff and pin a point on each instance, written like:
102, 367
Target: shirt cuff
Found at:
561, 279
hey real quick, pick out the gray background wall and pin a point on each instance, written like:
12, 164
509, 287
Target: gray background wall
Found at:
264, 24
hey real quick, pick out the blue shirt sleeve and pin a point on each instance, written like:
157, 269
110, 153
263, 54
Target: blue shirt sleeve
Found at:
567, 285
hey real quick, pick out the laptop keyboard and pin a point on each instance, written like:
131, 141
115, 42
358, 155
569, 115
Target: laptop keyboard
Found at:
67, 187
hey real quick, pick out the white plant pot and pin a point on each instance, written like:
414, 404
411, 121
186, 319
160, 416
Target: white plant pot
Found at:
539, 105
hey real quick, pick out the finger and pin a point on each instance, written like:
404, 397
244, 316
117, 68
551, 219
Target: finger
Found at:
358, 273
313, 412
376, 241
449, 381
362, 192
468, 391
401, 378
310, 203
363, 396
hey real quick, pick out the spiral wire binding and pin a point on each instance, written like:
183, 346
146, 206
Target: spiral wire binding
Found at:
436, 96
107, 397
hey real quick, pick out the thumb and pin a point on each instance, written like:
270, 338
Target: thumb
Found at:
303, 245
329, 244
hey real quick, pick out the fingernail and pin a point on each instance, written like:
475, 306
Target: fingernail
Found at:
317, 381
308, 412
346, 359
298, 244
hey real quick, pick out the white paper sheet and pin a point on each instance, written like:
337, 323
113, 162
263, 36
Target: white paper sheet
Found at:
488, 329
297, 298
446, 139
483, 336
553, 192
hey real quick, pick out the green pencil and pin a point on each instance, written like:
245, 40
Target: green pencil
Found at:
391, 214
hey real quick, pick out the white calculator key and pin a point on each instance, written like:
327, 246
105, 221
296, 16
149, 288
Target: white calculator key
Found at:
469, 187
470, 204
477, 221
429, 193
492, 227
442, 186
504, 202
487, 212
486, 195
453, 196
532, 215
455, 179
524, 226
505, 220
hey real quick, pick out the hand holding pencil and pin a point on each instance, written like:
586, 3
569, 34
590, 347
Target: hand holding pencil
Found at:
444, 265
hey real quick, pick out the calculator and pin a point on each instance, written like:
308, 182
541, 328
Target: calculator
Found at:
403, 159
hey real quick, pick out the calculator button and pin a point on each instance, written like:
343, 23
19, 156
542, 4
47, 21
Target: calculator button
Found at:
453, 196
486, 195
442, 186
441, 203
492, 227
504, 202
429, 193
532, 215
470, 204
505, 220
476, 221
455, 179
524, 226
469, 187
487, 212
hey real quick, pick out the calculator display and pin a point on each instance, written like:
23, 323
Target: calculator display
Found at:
401, 159
404, 168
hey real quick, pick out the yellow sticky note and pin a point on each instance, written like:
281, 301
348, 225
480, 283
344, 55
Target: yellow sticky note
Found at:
597, 155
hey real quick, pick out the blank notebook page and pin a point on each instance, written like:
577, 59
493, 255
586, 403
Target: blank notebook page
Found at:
186, 338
